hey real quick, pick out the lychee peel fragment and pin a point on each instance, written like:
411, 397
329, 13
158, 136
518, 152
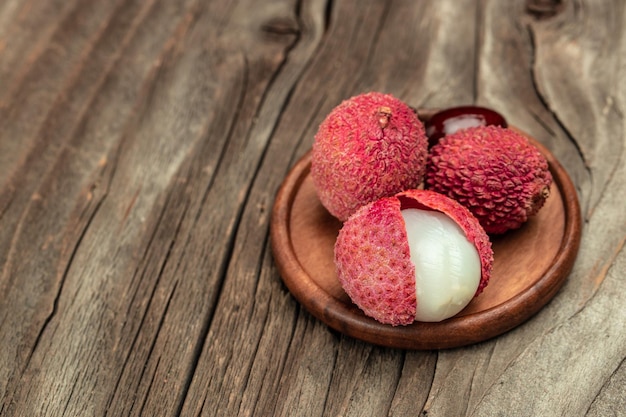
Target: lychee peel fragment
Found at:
372, 254
495, 172
373, 262
369, 146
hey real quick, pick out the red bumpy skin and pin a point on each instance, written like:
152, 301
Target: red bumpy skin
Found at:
372, 254
495, 172
369, 146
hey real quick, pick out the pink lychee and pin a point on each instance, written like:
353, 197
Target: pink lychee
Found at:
493, 171
369, 146
390, 277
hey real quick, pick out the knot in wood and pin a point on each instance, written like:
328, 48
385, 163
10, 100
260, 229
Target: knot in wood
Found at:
544, 9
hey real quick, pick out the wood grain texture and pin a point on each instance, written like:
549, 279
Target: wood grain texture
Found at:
141, 147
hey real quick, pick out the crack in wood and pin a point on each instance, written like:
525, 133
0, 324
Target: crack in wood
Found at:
281, 26
546, 103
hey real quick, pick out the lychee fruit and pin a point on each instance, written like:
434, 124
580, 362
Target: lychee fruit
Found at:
415, 256
495, 172
369, 146
448, 121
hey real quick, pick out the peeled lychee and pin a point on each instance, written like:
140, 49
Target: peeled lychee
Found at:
495, 172
418, 255
449, 120
369, 146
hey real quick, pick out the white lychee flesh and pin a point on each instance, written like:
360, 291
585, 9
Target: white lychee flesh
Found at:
447, 264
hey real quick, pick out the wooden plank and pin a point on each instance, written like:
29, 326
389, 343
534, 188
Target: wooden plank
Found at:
80, 283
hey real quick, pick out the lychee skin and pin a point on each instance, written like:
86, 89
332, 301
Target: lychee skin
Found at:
372, 254
493, 171
369, 146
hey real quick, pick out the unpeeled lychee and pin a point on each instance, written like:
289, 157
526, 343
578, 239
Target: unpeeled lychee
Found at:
495, 172
417, 255
369, 146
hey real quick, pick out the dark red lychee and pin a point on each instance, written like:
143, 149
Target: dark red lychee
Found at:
495, 172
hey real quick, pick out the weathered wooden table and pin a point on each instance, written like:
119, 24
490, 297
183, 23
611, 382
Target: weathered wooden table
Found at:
142, 143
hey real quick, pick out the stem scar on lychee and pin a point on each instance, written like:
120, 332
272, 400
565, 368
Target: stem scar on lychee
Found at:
384, 114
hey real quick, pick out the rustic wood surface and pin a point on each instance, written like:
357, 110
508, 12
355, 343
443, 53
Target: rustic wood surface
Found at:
141, 146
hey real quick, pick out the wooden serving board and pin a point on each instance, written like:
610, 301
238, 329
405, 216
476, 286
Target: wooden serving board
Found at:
530, 265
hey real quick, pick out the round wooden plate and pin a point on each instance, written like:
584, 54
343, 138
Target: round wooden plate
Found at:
530, 265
